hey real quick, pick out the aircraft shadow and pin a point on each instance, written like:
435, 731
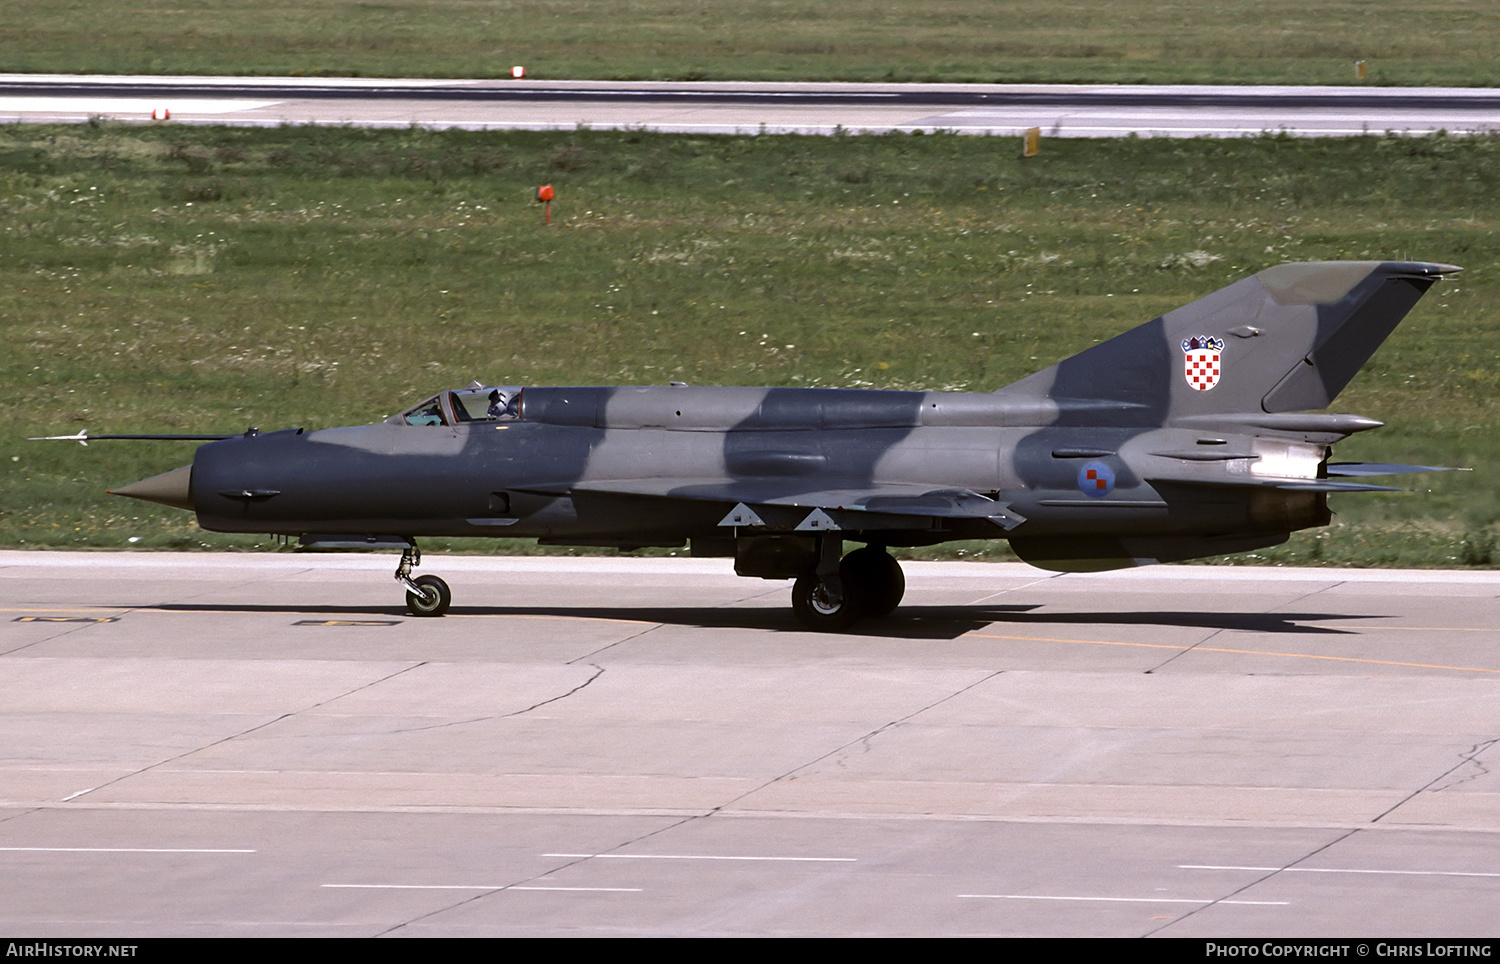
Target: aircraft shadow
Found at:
908, 622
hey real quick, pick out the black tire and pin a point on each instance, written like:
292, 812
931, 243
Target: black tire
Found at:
434, 599
874, 579
813, 610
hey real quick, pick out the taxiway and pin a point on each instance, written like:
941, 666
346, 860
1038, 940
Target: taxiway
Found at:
238, 744
749, 108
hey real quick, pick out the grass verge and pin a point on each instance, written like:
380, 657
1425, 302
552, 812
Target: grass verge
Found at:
1415, 42
204, 279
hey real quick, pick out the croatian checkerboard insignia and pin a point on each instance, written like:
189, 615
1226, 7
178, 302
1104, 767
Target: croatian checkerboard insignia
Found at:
1202, 361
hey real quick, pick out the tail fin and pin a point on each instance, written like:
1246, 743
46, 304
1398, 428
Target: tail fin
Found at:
1287, 339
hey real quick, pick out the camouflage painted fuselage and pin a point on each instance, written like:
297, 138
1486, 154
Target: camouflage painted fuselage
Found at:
1178, 439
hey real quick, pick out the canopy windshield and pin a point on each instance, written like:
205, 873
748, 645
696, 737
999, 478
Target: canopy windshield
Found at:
487, 404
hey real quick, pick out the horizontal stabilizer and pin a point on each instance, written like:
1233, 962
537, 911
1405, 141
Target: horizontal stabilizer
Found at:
1293, 485
1328, 485
1319, 426
1384, 468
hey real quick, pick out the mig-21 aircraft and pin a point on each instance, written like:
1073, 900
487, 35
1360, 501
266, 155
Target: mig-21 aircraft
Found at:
1189, 436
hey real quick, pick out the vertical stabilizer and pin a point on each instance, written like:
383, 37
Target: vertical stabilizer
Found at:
1287, 339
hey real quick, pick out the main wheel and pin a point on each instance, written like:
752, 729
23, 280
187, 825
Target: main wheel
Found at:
816, 611
433, 600
874, 579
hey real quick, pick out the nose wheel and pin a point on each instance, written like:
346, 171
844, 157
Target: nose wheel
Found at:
425, 595
431, 597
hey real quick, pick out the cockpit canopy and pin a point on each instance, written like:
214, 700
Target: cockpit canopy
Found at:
474, 404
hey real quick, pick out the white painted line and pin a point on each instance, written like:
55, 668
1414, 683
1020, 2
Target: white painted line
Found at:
1132, 900
126, 105
604, 890
351, 82
1338, 870
703, 857
124, 850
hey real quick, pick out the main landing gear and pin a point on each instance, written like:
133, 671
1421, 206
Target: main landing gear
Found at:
425, 595
836, 593
828, 597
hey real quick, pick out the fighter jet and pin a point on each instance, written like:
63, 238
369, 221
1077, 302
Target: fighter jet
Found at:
1189, 436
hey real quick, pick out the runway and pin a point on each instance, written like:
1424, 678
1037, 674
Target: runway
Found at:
748, 108
241, 744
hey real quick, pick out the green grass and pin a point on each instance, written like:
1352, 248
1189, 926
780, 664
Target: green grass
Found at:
197, 279
1416, 42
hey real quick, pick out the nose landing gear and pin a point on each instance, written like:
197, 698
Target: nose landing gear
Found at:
425, 595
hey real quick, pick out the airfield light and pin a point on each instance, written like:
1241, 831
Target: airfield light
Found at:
545, 194
161, 114
518, 72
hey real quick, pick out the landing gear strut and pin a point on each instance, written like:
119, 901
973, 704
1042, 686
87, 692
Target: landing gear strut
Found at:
833, 595
425, 595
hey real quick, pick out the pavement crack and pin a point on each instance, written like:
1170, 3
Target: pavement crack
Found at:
1254, 883
1215, 634
690, 818
247, 583
1024, 586
438, 726
753, 596
551, 871
245, 732
1469, 758
624, 639
598, 672
47, 639
21, 813
864, 738
1479, 769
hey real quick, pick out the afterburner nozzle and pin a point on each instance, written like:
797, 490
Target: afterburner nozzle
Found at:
174, 488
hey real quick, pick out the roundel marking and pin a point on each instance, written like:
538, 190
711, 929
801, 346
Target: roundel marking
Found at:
1096, 480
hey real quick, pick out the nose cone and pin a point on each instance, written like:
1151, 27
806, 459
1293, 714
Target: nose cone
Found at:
174, 488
